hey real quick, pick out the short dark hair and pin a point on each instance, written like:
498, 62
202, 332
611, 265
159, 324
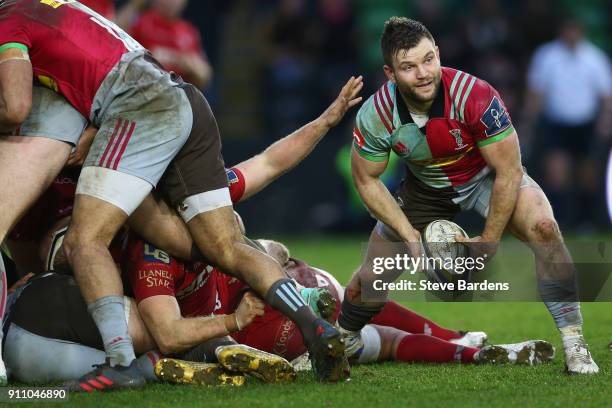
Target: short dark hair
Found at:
401, 33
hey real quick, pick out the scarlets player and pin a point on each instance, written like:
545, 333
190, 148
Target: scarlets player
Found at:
461, 152
147, 119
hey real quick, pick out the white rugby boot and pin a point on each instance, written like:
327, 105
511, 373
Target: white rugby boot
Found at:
578, 359
353, 344
529, 352
471, 339
302, 363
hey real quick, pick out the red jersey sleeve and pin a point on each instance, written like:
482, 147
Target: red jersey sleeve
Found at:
14, 28
236, 183
486, 114
151, 272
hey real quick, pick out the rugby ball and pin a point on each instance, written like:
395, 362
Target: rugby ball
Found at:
442, 251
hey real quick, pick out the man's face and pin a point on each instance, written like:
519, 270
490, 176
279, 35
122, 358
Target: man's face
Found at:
417, 71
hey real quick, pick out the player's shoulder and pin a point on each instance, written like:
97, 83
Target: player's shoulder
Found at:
468, 94
376, 114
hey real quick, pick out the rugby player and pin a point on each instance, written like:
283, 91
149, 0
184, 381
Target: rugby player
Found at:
461, 152
147, 119
63, 343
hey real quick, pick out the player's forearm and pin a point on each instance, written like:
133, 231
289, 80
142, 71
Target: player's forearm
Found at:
503, 200
15, 88
289, 151
185, 333
383, 207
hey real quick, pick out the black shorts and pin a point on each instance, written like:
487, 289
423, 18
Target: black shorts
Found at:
198, 167
423, 204
52, 306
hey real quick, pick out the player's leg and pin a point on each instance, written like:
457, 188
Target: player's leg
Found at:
533, 222
387, 343
162, 227
28, 165
30, 161
197, 186
35, 359
399, 317
355, 312
218, 237
384, 343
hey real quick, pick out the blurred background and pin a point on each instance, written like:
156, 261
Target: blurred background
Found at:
270, 66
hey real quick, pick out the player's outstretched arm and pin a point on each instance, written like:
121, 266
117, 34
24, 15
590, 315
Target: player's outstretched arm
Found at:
505, 158
15, 88
378, 200
174, 333
288, 152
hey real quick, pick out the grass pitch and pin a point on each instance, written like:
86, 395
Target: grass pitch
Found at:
399, 384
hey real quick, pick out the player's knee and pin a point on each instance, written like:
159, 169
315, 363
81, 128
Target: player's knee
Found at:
70, 244
545, 230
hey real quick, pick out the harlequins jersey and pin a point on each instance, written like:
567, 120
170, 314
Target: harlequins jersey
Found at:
72, 48
467, 114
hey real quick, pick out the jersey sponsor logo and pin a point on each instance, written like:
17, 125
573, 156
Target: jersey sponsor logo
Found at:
152, 254
232, 177
495, 118
358, 138
283, 337
456, 133
158, 278
56, 3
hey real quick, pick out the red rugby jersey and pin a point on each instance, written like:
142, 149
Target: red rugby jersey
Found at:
71, 48
151, 271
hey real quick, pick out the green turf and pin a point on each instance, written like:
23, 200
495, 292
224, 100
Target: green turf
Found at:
395, 384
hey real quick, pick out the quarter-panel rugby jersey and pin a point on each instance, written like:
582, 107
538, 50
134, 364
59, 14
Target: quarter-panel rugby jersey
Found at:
466, 114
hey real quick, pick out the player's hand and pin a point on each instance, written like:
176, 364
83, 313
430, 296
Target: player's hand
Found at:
478, 247
250, 307
345, 100
415, 247
78, 156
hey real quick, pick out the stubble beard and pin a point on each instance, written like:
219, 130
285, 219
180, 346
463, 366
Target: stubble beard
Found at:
410, 94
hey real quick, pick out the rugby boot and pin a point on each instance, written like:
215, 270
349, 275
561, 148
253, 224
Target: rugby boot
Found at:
267, 367
530, 352
107, 378
578, 359
329, 362
353, 344
302, 363
190, 372
471, 339
321, 301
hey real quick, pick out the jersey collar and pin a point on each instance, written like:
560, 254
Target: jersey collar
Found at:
436, 110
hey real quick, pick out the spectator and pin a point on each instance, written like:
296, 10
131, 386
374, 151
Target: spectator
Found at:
570, 91
173, 41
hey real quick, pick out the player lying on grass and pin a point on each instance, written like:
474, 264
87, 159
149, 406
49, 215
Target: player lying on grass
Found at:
395, 334
64, 342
